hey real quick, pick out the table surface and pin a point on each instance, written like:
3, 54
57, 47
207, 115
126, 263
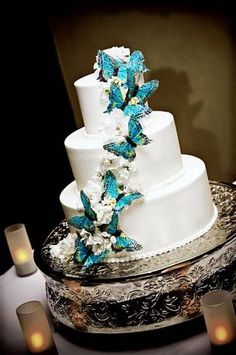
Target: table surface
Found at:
183, 339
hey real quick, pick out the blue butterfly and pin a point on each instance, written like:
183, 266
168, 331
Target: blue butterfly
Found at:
111, 189
86, 256
126, 148
116, 99
146, 90
122, 240
134, 67
115, 67
136, 64
137, 111
135, 106
86, 220
108, 65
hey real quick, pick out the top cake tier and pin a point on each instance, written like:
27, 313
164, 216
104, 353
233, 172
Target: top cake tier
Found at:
92, 107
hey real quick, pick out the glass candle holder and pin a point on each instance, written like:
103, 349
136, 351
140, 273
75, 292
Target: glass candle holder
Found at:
35, 328
20, 249
219, 315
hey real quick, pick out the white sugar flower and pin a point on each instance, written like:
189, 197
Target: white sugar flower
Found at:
103, 212
123, 176
114, 124
109, 201
119, 53
94, 190
98, 242
85, 235
65, 248
102, 244
104, 88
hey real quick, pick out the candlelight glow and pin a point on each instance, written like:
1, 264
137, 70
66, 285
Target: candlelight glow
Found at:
37, 340
221, 333
22, 255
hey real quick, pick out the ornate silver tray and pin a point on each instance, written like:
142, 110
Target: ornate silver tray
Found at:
146, 294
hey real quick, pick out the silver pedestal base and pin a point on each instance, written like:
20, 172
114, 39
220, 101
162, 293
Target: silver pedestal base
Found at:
145, 294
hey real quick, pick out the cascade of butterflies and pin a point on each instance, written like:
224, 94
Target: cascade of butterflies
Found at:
96, 238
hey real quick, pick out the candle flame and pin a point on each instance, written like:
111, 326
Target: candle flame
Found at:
22, 255
221, 333
37, 340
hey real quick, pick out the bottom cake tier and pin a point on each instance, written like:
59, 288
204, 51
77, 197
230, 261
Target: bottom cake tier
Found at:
168, 216
143, 294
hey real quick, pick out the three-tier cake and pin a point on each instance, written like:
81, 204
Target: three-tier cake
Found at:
142, 239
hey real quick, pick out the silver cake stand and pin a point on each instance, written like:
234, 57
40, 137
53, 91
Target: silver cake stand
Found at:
145, 294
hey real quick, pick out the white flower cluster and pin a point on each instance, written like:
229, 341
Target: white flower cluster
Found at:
65, 249
119, 53
115, 125
99, 242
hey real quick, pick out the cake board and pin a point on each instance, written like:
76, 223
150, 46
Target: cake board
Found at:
146, 294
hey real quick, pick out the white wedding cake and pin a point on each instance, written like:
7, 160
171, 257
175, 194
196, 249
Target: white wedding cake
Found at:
134, 194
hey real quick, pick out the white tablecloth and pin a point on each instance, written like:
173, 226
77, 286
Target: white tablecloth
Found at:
15, 290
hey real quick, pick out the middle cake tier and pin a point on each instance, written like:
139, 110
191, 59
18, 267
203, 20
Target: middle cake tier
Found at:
158, 163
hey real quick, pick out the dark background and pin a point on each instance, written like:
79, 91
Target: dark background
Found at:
37, 114
37, 118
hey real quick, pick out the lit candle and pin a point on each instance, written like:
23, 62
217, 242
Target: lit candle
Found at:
35, 328
20, 249
219, 315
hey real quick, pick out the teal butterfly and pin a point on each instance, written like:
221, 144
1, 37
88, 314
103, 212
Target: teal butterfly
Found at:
136, 63
86, 256
136, 106
122, 240
124, 71
116, 99
135, 137
137, 111
86, 220
111, 189
134, 67
146, 90
108, 66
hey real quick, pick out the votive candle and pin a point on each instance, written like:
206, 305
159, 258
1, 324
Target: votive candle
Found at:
219, 315
35, 328
20, 249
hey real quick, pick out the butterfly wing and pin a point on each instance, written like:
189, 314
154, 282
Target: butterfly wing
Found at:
82, 222
113, 225
95, 259
136, 133
146, 90
123, 149
107, 65
122, 73
81, 252
126, 201
116, 99
136, 63
110, 184
87, 206
124, 242
137, 111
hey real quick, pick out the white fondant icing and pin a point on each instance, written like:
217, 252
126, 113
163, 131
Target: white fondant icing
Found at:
157, 162
91, 104
168, 216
